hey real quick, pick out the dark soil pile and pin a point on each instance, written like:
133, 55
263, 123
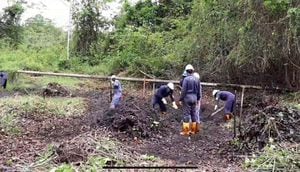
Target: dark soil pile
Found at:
272, 123
135, 118
265, 120
55, 89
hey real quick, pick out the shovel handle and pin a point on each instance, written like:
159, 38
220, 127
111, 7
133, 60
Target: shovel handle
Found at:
217, 111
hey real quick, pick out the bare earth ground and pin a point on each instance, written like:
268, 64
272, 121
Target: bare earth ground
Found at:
132, 124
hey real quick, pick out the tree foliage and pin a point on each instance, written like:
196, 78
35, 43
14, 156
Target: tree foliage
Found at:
245, 41
10, 28
233, 41
89, 23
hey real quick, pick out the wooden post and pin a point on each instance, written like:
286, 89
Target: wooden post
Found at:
241, 108
234, 116
144, 87
110, 91
153, 88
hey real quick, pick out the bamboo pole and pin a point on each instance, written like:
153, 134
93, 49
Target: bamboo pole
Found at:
147, 80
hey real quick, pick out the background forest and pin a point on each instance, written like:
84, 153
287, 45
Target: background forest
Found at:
232, 41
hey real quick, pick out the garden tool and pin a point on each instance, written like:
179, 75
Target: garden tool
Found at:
214, 113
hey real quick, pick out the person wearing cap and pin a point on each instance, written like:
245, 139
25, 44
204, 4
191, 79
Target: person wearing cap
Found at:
3, 79
159, 97
190, 95
117, 91
198, 112
229, 99
184, 74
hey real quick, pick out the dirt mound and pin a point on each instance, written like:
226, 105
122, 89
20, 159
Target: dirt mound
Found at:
70, 152
135, 118
271, 123
55, 89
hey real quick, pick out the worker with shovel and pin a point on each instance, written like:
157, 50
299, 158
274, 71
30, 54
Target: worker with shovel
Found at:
117, 92
3, 79
190, 95
159, 97
229, 99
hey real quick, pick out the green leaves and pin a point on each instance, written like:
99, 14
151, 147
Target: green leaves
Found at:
277, 6
10, 28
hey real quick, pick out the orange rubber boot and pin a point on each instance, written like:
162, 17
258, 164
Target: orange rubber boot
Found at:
185, 129
228, 117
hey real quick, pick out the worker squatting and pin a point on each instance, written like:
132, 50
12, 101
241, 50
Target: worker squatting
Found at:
190, 100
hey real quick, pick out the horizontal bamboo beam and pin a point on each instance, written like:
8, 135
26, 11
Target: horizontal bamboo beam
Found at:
146, 80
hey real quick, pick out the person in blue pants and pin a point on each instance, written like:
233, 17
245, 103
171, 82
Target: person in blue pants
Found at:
229, 99
3, 79
198, 105
159, 97
117, 92
190, 95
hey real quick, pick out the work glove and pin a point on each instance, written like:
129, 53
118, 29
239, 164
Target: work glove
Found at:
216, 107
164, 101
174, 105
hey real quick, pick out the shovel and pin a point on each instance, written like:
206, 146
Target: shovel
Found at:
214, 113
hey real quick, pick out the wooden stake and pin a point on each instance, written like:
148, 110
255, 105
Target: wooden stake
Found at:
234, 116
153, 87
241, 108
144, 87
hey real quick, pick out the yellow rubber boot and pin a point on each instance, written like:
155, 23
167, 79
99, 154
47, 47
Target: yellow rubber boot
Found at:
193, 128
185, 129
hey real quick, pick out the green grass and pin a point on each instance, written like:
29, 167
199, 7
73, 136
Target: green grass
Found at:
291, 99
275, 158
8, 123
13, 108
27, 83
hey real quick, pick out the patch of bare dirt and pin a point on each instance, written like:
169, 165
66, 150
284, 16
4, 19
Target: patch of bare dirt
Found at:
134, 123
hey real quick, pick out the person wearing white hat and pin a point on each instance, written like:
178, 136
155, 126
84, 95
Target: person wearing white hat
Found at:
159, 97
229, 99
190, 95
117, 91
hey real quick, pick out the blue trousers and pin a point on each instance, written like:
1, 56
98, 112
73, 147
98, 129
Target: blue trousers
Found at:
229, 105
157, 100
116, 100
189, 108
